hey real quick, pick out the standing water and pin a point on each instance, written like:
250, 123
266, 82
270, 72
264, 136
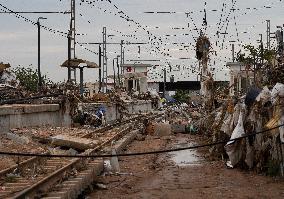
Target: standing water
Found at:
186, 157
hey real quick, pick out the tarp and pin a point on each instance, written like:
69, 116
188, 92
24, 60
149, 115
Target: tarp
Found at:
252, 95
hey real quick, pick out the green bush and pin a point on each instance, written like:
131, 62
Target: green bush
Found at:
28, 78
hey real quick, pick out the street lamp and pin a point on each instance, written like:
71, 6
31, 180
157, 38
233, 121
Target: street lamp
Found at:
38, 53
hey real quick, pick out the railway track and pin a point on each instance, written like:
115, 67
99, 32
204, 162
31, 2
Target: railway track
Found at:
36, 160
40, 175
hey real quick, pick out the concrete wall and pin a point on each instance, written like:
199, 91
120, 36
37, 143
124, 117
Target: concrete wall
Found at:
112, 110
30, 115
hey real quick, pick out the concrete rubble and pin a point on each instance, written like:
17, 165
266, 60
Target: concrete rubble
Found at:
73, 142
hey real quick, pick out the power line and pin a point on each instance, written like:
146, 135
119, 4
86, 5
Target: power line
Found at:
32, 22
154, 40
114, 43
61, 33
34, 12
227, 20
231, 141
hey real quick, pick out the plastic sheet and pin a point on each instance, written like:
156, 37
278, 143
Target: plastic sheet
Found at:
233, 148
264, 96
226, 127
277, 91
252, 95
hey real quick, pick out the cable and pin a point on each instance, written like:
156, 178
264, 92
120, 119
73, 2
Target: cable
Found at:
154, 40
237, 31
33, 23
226, 21
137, 153
189, 15
63, 34
214, 10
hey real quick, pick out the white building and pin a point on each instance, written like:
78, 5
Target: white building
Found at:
135, 77
241, 77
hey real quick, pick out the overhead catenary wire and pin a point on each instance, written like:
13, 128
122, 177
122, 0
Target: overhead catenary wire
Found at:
155, 41
228, 21
32, 22
139, 153
35, 12
60, 33
159, 44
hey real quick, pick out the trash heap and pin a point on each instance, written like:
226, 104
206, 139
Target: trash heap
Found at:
92, 110
257, 111
67, 95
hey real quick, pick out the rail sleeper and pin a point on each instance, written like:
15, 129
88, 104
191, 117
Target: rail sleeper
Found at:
74, 186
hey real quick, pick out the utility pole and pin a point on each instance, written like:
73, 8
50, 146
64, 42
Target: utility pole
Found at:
279, 36
72, 35
81, 81
38, 54
268, 34
117, 65
104, 61
121, 56
100, 68
114, 76
69, 55
254, 68
165, 80
261, 48
233, 52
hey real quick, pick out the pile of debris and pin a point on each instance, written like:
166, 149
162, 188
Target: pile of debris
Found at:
259, 110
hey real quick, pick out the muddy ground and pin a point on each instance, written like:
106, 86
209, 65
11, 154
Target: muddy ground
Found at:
159, 176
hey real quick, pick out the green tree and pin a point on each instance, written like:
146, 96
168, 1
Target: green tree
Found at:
28, 78
262, 60
252, 54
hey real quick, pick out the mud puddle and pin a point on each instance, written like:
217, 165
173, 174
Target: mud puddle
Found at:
186, 157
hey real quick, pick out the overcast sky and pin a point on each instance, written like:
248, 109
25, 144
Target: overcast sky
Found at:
171, 33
